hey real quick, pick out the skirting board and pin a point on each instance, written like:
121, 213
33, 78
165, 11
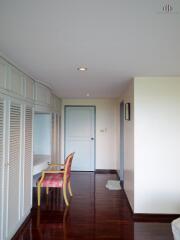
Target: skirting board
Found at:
22, 226
105, 171
146, 217
163, 218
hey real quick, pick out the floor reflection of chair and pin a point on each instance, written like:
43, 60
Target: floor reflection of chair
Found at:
52, 223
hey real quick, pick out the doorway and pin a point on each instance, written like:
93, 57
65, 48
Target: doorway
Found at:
80, 136
121, 173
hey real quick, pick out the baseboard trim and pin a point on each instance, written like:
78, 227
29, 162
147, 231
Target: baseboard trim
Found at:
145, 217
106, 171
129, 206
142, 217
77, 171
121, 182
21, 227
118, 175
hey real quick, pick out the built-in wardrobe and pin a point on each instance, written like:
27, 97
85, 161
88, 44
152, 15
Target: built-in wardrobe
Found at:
20, 96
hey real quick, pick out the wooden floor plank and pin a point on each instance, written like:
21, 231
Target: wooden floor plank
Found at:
94, 213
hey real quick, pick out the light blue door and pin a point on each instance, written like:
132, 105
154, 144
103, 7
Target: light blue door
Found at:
79, 136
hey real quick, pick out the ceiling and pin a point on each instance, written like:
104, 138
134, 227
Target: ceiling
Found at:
116, 40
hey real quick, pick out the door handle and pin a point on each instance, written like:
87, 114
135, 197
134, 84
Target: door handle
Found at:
92, 138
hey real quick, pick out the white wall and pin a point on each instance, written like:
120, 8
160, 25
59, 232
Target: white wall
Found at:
117, 120
157, 145
42, 134
106, 147
128, 97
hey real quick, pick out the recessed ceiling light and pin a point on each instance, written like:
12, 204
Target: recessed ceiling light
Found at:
82, 69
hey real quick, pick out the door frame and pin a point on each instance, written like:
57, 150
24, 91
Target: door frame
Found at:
94, 109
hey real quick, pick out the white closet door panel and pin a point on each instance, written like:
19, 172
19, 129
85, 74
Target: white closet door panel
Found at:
28, 160
57, 141
29, 88
3, 73
60, 139
1, 164
15, 81
55, 138
42, 94
53, 97
14, 168
56, 104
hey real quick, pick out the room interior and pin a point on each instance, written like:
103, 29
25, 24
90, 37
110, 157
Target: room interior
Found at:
121, 59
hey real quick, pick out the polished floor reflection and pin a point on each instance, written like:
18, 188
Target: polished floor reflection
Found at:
94, 213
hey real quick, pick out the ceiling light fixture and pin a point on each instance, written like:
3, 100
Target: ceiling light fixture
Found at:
83, 69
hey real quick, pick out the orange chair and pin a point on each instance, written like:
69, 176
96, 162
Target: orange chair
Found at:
58, 178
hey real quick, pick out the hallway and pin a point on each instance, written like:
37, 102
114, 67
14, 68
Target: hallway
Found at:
94, 213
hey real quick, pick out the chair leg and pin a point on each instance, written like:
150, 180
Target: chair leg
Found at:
65, 195
47, 190
69, 188
39, 194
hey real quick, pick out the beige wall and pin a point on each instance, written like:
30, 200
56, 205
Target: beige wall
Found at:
152, 145
128, 96
106, 130
157, 145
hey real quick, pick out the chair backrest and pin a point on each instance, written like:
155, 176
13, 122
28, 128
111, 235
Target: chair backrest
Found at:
68, 163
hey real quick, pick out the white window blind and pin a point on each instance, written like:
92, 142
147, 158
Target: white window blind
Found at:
14, 167
28, 160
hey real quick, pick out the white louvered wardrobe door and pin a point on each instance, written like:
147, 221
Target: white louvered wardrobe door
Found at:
14, 169
1, 164
28, 161
55, 138
58, 138
53, 142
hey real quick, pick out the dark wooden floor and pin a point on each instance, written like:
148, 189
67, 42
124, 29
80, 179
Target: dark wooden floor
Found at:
94, 213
